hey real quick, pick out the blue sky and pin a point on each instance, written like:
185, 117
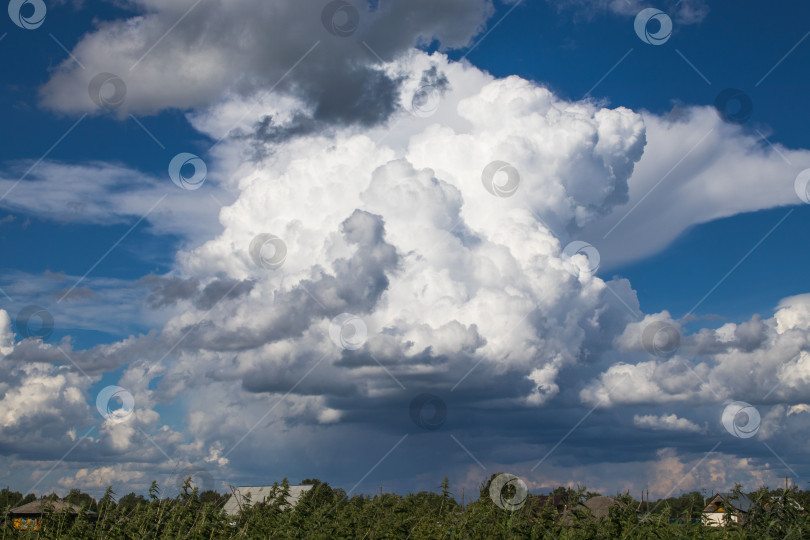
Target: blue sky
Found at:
163, 277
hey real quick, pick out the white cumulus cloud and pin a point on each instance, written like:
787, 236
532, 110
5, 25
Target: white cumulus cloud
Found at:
667, 422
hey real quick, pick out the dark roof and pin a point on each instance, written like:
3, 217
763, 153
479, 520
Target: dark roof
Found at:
599, 505
557, 501
738, 501
38, 507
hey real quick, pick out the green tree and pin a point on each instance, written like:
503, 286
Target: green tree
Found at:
11, 499
82, 500
131, 500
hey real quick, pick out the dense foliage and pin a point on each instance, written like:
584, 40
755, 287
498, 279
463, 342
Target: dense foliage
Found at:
324, 512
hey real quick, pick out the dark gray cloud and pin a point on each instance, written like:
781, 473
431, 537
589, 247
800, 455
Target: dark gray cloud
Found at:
367, 97
260, 44
752, 334
435, 78
93, 361
221, 289
167, 291
364, 96
747, 337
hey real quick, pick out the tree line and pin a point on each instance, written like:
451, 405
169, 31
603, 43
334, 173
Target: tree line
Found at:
325, 512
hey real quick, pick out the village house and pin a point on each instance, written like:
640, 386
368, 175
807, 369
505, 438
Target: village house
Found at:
260, 494
29, 516
596, 508
725, 507
558, 502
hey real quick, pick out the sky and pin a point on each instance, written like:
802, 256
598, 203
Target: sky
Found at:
381, 243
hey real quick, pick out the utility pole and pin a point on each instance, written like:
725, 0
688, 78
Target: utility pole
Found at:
462, 499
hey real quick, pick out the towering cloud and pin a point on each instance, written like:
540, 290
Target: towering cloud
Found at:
399, 226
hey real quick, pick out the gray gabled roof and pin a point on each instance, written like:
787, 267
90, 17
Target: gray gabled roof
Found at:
738, 501
259, 494
38, 507
600, 505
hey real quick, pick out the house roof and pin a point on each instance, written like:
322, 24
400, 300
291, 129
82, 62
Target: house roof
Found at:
259, 494
37, 507
600, 505
557, 501
738, 501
